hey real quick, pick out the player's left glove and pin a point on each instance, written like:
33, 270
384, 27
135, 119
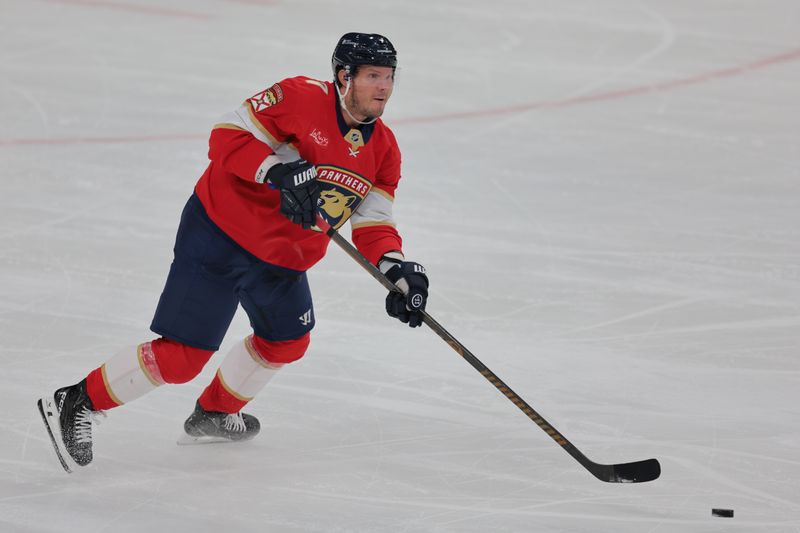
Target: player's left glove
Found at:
410, 278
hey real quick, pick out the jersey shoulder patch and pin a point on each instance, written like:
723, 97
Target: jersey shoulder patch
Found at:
267, 98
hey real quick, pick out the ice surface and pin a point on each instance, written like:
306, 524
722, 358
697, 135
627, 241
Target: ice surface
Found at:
605, 195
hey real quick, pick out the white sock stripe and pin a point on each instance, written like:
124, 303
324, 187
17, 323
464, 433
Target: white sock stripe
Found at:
230, 390
130, 374
244, 372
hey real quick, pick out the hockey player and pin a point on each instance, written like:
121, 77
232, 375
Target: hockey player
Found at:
299, 149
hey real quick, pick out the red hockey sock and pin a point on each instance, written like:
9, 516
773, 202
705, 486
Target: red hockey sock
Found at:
98, 392
216, 398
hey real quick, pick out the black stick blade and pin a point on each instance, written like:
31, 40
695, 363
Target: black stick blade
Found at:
638, 472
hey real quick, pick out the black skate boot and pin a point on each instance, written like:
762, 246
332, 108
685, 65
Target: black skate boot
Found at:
205, 427
68, 416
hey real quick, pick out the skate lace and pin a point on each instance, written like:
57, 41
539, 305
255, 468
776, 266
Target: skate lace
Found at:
235, 422
83, 424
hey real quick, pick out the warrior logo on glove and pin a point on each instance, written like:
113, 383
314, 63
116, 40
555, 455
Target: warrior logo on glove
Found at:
297, 182
407, 304
305, 176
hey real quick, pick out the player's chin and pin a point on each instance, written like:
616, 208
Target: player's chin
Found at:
377, 108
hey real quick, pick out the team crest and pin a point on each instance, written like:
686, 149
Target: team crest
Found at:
341, 192
267, 98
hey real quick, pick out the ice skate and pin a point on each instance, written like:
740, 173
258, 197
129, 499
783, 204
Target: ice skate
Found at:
68, 415
206, 427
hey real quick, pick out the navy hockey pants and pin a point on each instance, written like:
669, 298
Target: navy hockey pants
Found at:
211, 274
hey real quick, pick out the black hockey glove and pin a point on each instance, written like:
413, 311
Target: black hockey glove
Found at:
410, 277
297, 183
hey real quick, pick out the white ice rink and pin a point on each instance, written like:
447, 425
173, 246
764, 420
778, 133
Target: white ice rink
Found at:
606, 195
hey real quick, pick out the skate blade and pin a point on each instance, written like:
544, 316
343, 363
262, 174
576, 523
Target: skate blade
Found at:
188, 440
47, 410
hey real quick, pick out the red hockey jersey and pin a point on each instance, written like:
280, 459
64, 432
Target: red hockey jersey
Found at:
358, 171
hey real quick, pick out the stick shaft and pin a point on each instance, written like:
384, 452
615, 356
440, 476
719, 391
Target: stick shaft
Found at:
459, 348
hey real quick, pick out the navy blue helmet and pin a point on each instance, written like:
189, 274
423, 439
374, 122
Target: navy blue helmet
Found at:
355, 49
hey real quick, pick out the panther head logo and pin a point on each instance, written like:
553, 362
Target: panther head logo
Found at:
336, 204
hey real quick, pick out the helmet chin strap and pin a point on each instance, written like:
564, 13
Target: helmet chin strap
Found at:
344, 106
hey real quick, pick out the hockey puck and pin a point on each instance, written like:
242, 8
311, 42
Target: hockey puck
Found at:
724, 513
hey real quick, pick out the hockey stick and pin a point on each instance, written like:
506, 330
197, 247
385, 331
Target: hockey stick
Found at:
636, 472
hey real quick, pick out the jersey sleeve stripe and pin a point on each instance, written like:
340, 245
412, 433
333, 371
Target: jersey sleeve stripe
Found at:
226, 126
256, 128
376, 209
360, 225
383, 193
243, 119
239, 119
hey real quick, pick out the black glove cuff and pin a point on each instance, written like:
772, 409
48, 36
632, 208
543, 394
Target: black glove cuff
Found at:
395, 273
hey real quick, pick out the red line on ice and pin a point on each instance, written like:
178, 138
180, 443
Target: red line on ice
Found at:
785, 57
147, 10
256, 2
102, 140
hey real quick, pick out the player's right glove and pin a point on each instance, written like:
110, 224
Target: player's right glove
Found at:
297, 183
410, 278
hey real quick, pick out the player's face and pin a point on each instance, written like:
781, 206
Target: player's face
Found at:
370, 89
